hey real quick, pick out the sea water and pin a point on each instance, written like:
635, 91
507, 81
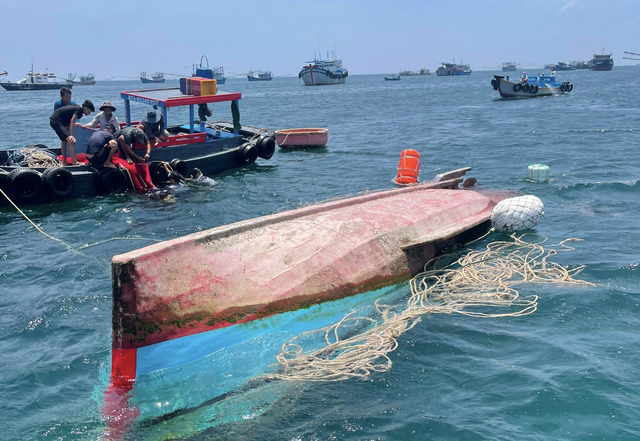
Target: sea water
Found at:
567, 372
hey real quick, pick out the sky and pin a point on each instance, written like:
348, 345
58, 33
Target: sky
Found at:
117, 38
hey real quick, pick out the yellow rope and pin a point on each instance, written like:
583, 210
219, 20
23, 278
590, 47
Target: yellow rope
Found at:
357, 346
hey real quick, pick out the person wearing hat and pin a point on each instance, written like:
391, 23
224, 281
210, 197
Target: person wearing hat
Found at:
104, 117
126, 139
153, 126
524, 78
63, 122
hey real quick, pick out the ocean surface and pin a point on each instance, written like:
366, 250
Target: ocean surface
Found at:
569, 371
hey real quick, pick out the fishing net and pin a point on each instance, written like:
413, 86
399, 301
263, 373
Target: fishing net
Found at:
478, 284
33, 155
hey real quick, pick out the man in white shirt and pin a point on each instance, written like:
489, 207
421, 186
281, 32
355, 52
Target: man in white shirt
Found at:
104, 117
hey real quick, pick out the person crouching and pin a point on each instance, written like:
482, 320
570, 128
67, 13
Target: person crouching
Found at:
101, 147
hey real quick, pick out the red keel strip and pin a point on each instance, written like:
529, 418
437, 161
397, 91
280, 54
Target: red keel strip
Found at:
123, 367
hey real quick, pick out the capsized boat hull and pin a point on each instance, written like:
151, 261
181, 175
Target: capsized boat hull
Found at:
301, 138
284, 262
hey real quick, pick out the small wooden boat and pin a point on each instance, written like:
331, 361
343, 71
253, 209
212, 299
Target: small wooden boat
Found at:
301, 138
184, 310
393, 78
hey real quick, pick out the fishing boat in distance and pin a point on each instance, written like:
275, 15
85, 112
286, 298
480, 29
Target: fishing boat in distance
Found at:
301, 138
194, 318
393, 78
259, 75
85, 80
424, 72
157, 77
408, 73
453, 69
542, 85
323, 72
601, 62
213, 73
36, 81
509, 66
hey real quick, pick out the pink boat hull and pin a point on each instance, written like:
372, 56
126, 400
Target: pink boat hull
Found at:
283, 262
301, 138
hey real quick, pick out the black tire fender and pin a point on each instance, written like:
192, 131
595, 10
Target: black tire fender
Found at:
266, 147
517, 87
562, 87
494, 84
533, 89
26, 184
247, 153
178, 165
111, 180
570, 88
59, 182
159, 174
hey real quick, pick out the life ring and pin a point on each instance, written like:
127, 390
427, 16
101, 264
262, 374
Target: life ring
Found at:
266, 147
111, 180
58, 182
178, 165
26, 184
409, 167
517, 87
533, 89
159, 174
247, 154
569, 87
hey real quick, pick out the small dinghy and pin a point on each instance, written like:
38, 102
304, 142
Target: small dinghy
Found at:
301, 138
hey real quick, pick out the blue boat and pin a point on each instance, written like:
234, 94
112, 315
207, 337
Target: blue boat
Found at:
393, 78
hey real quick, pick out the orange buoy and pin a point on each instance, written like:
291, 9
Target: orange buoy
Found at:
409, 167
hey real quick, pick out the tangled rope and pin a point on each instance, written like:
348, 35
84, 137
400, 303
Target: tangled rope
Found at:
358, 345
33, 156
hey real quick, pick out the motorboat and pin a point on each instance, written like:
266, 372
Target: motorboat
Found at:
36, 81
537, 86
323, 72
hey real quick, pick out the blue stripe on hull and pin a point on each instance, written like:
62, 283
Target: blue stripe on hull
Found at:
189, 371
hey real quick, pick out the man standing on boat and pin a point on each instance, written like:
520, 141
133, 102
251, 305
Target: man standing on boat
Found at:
65, 99
63, 122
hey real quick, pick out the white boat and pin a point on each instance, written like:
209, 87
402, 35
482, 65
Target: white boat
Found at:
542, 85
259, 75
37, 81
322, 72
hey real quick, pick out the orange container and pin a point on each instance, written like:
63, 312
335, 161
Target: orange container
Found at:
409, 167
208, 87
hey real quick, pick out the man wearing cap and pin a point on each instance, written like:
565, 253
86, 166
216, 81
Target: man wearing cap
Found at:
63, 122
101, 147
126, 139
153, 126
104, 117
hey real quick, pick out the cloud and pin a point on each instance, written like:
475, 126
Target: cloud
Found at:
567, 6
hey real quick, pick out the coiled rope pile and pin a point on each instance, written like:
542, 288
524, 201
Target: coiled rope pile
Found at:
359, 344
33, 155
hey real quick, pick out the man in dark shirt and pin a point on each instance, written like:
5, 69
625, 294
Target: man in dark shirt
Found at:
101, 147
127, 137
63, 122
153, 126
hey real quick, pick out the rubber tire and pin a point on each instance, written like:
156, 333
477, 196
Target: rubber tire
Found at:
533, 89
562, 88
26, 184
178, 165
58, 182
570, 88
494, 84
158, 174
5, 185
517, 87
247, 154
266, 147
526, 87
111, 180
